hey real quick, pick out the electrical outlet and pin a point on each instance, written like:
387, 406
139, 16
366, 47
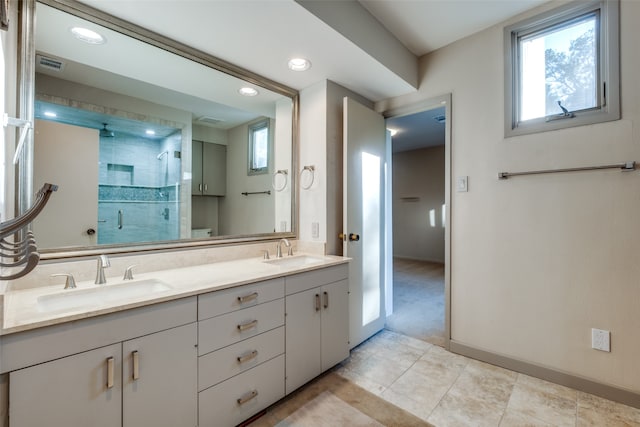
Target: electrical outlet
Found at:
315, 230
601, 340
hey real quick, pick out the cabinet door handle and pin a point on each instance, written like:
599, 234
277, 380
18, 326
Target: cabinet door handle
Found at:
317, 302
247, 298
248, 325
247, 397
136, 364
249, 356
206, 187
200, 187
110, 372
120, 219
326, 300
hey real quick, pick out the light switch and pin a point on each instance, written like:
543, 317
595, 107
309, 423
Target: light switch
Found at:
315, 230
462, 184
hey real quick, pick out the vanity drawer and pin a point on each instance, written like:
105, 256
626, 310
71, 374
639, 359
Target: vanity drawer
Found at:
230, 328
242, 396
227, 362
312, 279
221, 302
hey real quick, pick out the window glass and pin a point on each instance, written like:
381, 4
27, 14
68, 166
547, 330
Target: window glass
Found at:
562, 68
259, 148
560, 65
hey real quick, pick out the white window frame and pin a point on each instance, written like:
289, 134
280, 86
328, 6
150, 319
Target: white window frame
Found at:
608, 69
263, 124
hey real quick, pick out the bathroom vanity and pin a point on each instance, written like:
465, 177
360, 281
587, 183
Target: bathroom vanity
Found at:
209, 345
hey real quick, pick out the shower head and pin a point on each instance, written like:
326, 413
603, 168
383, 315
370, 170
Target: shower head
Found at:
106, 133
161, 155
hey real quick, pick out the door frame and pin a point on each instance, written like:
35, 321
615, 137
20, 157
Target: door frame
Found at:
425, 105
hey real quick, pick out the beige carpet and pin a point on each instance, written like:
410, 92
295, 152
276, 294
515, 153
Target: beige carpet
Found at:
332, 401
418, 300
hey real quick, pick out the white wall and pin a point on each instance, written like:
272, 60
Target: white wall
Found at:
418, 189
240, 214
313, 148
321, 107
538, 261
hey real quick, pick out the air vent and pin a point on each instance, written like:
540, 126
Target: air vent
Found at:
440, 119
206, 120
49, 63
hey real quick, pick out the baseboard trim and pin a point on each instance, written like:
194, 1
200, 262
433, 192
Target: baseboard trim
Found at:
607, 391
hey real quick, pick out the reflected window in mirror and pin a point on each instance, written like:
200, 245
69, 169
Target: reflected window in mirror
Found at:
259, 148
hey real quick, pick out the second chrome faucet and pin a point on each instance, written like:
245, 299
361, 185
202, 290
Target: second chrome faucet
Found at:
279, 248
103, 262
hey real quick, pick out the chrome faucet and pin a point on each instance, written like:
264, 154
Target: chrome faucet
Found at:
279, 248
103, 262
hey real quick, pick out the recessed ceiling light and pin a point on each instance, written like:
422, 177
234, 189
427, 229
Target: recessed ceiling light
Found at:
248, 91
150, 132
299, 64
50, 114
88, 36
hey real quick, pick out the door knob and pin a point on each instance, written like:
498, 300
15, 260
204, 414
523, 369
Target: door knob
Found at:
354, 237
91, 232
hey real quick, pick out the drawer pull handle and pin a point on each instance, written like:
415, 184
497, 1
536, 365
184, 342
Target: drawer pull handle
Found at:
247, 397
326, 300
244, 326
317, 302
246, 357
110, 372
136, 365
247, 298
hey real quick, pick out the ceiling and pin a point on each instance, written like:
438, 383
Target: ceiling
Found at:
419, 130
426, 25
371, 47
359, 45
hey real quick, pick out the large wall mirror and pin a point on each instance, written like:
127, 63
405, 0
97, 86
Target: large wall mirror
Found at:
152, 144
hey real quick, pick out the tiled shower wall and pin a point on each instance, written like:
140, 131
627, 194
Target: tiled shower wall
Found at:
138, 196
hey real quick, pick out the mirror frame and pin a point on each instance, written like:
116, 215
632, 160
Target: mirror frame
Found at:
24, 170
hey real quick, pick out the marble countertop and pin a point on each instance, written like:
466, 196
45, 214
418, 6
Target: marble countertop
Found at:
23, 310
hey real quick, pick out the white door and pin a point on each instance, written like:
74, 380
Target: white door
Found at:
363, 228
67, 156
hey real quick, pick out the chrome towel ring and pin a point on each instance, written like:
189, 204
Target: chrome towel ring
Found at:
285, 175
311, 172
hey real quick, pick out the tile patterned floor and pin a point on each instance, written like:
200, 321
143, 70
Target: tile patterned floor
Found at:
446, 389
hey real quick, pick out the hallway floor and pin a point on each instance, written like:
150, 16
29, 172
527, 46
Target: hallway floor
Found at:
418, 300
446, 389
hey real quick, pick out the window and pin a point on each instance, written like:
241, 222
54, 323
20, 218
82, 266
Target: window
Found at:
259, 148
562, 68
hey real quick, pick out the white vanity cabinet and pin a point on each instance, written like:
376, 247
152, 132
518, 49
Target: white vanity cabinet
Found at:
159, 379
317, 323
150, 380
241, 347
71, 391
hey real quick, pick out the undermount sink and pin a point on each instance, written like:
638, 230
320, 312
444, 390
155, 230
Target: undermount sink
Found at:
98, 295
295, 261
